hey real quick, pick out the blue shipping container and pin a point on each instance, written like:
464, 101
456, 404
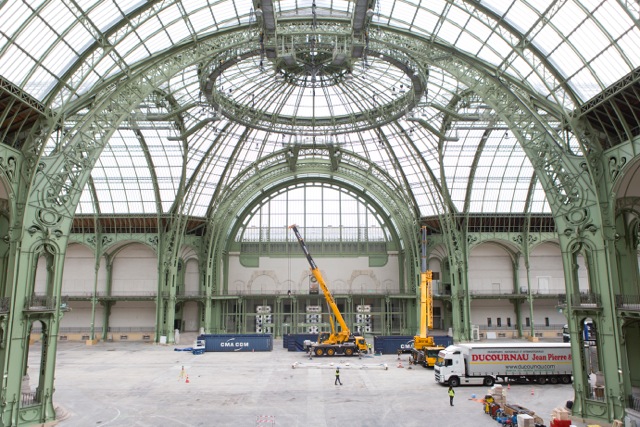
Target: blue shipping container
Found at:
237, 342
296, 341
443, 340
391, 344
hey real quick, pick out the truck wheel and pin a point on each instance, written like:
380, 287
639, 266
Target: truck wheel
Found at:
348, 352
331, 351
553, 380
319, 352
566, 379
454, 382
489, 381
542, 380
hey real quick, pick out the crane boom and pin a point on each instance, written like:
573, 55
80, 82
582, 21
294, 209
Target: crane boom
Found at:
344, 333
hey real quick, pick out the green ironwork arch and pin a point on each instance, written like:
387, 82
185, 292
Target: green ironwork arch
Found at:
226, 219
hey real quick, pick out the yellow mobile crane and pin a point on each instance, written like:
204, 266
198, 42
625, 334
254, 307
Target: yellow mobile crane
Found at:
425, 351
335, 343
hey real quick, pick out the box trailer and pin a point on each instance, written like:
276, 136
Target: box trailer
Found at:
484, 363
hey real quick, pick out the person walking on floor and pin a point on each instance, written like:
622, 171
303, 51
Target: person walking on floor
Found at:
451, 394
337, 381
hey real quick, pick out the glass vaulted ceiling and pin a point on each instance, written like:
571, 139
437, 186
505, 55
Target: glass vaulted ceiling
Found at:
567, 51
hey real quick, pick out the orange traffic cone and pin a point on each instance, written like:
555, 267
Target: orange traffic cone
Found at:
400, 365
532, 391
187, 380
509, 386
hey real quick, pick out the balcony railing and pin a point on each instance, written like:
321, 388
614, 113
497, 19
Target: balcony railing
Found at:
29, 399
628, 302
46, 303
583, 300
513, 327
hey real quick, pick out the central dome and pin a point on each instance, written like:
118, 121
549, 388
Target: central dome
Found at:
312, 92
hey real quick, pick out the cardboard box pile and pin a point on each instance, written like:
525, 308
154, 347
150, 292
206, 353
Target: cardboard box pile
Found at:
499, 395
560, 418
525, 420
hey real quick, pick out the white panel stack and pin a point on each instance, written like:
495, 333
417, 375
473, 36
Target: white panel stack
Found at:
364, 320
264, 320
314, 316
313, 329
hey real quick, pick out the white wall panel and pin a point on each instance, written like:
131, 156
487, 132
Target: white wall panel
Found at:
191, 277
135, 271
342, 275
190, 316
133, 314
483, 309
80, 316
490, 270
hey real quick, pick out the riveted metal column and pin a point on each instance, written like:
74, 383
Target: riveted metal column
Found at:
532, 329
591, 231
94, 295
18, 286
50, 342
626, 242
516, 291
107, 303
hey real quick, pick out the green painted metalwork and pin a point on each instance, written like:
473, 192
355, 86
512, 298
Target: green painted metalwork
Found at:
578, 188
272, 175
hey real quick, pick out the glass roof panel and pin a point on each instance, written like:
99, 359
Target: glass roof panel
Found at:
59, 59
78, 37
104, 15
520, 14
160, 41
630, 45
566, 59
615, 21
19, 13
14, 64
39, 83
201, 19
85, 205
590, 44
225, 13
119, 178
424, 21
178, 31
30, 39
568, 17
607, 64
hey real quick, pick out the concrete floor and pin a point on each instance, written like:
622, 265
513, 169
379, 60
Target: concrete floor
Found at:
140, 384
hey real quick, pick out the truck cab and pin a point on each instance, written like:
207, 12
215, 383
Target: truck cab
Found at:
449, 366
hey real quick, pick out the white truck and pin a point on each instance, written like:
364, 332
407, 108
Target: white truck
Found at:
485, 363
